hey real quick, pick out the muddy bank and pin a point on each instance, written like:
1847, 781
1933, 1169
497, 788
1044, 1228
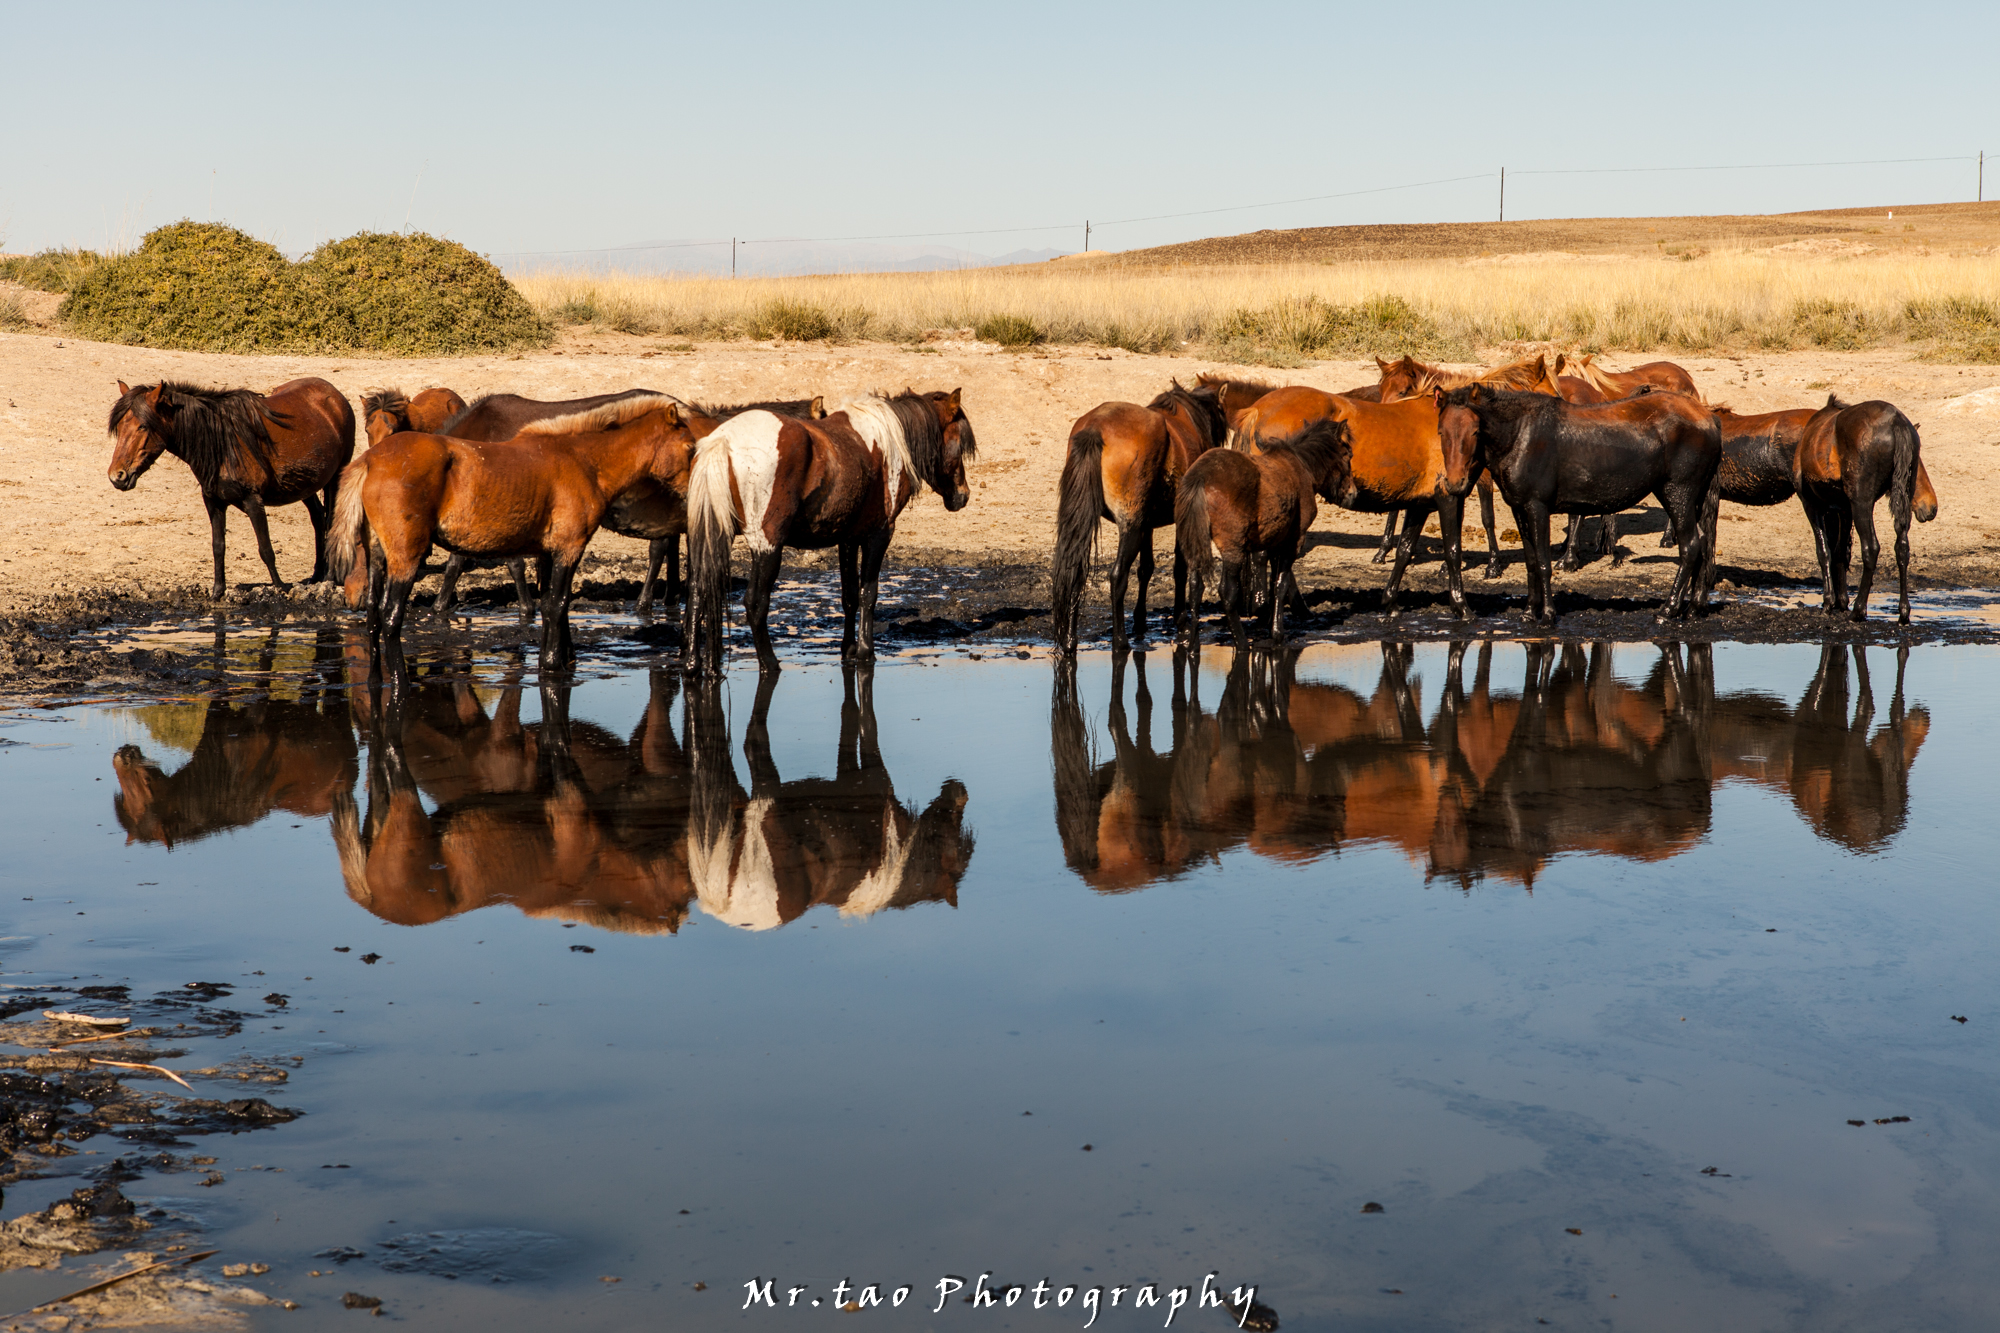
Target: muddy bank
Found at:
106, 644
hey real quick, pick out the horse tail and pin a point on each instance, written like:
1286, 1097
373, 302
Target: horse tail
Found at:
711, 525
1923, 496
1193, 539
1903, 445
347, 537
1078, 510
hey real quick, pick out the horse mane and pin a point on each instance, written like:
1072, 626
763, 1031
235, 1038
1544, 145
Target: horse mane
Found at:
1208, 380
391, 401
1201, 403
906, 429
215, 431
1586, 369
600, 418
1317, 445
1833, 401
1523, 374
784, 407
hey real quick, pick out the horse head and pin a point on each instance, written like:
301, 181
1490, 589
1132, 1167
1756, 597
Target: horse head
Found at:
1402, 378
957, 445
140, 422
384, 412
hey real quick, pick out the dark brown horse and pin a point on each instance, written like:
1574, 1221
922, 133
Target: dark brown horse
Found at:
543, 493
247, 450
1124, 464
1847, 459
1411, 455
840, 481
1232, 505
1548, 456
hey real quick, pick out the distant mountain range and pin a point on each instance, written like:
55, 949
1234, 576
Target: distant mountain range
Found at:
769, 258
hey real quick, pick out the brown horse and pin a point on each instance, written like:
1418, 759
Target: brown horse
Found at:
1548, 456
1124, 464
1411, 455
1847, 459
839, 481
1231, 505
655, 515
384, 412
247, 450
1613, 384
500, 500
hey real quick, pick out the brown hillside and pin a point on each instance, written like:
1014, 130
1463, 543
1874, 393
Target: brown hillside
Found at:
1946, 228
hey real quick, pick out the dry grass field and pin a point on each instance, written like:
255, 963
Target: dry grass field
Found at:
1925, 276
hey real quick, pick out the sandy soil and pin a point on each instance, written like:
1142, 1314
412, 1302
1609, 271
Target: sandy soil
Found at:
71, 533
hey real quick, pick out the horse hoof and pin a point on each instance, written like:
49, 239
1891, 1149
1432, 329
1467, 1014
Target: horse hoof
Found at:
1492, 572
1378, 558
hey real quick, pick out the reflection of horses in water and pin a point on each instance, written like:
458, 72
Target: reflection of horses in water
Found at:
761, 858
561, 818
1496, 784
251, 759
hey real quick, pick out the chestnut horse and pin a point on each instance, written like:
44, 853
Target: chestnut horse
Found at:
840, 481
1847, 459
246, 449
1548, 456
1411, 455
501, 500
1624, 383
655, 515
1231, 505
1124, 464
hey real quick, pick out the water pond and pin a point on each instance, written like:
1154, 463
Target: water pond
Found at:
1447, 986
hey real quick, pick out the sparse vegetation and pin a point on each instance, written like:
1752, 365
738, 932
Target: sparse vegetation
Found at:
50, 270
13, 314
1282, 314
208, 287
1009, 331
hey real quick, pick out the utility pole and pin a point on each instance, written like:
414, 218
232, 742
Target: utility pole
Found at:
732, 256
1086, 235
1982, 175
1503, 194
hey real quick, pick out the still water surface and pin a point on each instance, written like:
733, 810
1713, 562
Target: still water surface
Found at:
837, 978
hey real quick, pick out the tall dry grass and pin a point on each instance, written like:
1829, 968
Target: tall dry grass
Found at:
1948, 306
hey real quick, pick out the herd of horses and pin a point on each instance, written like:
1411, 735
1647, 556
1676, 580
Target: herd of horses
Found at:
1237, 468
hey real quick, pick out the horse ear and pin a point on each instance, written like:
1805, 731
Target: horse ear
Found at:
817, 408
673, 413
123, 388
1381, 365
954, 398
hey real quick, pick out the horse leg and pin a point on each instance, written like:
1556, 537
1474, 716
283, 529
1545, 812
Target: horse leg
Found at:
1388, 539
1121, 570
850, 598
395, 602
454, 565
557, 649
1572, 556
1281, 574
1611, 536
757, 604
873, 548
1145, 582
318, 515
656, 553
218, 514
1486, 519
1180, 589
1231, 593
1451, 526
1903, 568
1413, 523
1871, 551
1541, 573
1840, 550
253, 508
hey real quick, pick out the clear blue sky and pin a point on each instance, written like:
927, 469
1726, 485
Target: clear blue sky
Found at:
592, 124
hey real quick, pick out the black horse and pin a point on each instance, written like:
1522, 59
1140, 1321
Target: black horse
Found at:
1549, 457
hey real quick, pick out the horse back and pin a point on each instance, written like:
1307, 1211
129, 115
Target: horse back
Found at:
1757, 454
1394, 449
311, 425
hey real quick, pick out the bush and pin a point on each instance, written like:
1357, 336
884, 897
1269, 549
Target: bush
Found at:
1380, 326
1009, 331
1959, 328
1838, 326
195, 285
792, 321
51, 270
13, 314
207, 287
410, 295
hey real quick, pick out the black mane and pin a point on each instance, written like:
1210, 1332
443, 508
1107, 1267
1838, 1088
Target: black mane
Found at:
1318, 447
216, 432
784, 407
391, 401
923, 435
1203, 405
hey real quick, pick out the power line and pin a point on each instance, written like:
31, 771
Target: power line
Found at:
1230, 208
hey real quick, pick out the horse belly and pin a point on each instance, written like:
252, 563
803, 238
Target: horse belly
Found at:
479, 515
658, 514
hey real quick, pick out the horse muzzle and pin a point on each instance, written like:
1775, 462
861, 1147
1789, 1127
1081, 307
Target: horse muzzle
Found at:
124, 479
957, 500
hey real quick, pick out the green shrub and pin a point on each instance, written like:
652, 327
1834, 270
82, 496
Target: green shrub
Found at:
1009, 331
1838, 326
577, 310
1380, 326
1958, 329
51, 270
410, 295
792, 321
195, 285
13, 314
206, 287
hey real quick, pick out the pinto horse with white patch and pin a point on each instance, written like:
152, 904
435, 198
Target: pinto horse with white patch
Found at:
840, 481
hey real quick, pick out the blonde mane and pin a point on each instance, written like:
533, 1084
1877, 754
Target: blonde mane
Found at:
605, 417
876, 422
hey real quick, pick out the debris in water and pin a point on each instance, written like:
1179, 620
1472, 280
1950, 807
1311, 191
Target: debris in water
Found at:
92, 1020
581, 948
1373, 1208
371, 958
276, 999
1086, 1147
1714, 1171
1894, 1120
701, 1286
1574, 1231
354, 1300
1958, 1018
127, 1064
1259, 1317
340, 1254
339, 948
1857, 1122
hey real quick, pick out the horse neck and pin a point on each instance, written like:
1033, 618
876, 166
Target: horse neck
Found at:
616, 458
